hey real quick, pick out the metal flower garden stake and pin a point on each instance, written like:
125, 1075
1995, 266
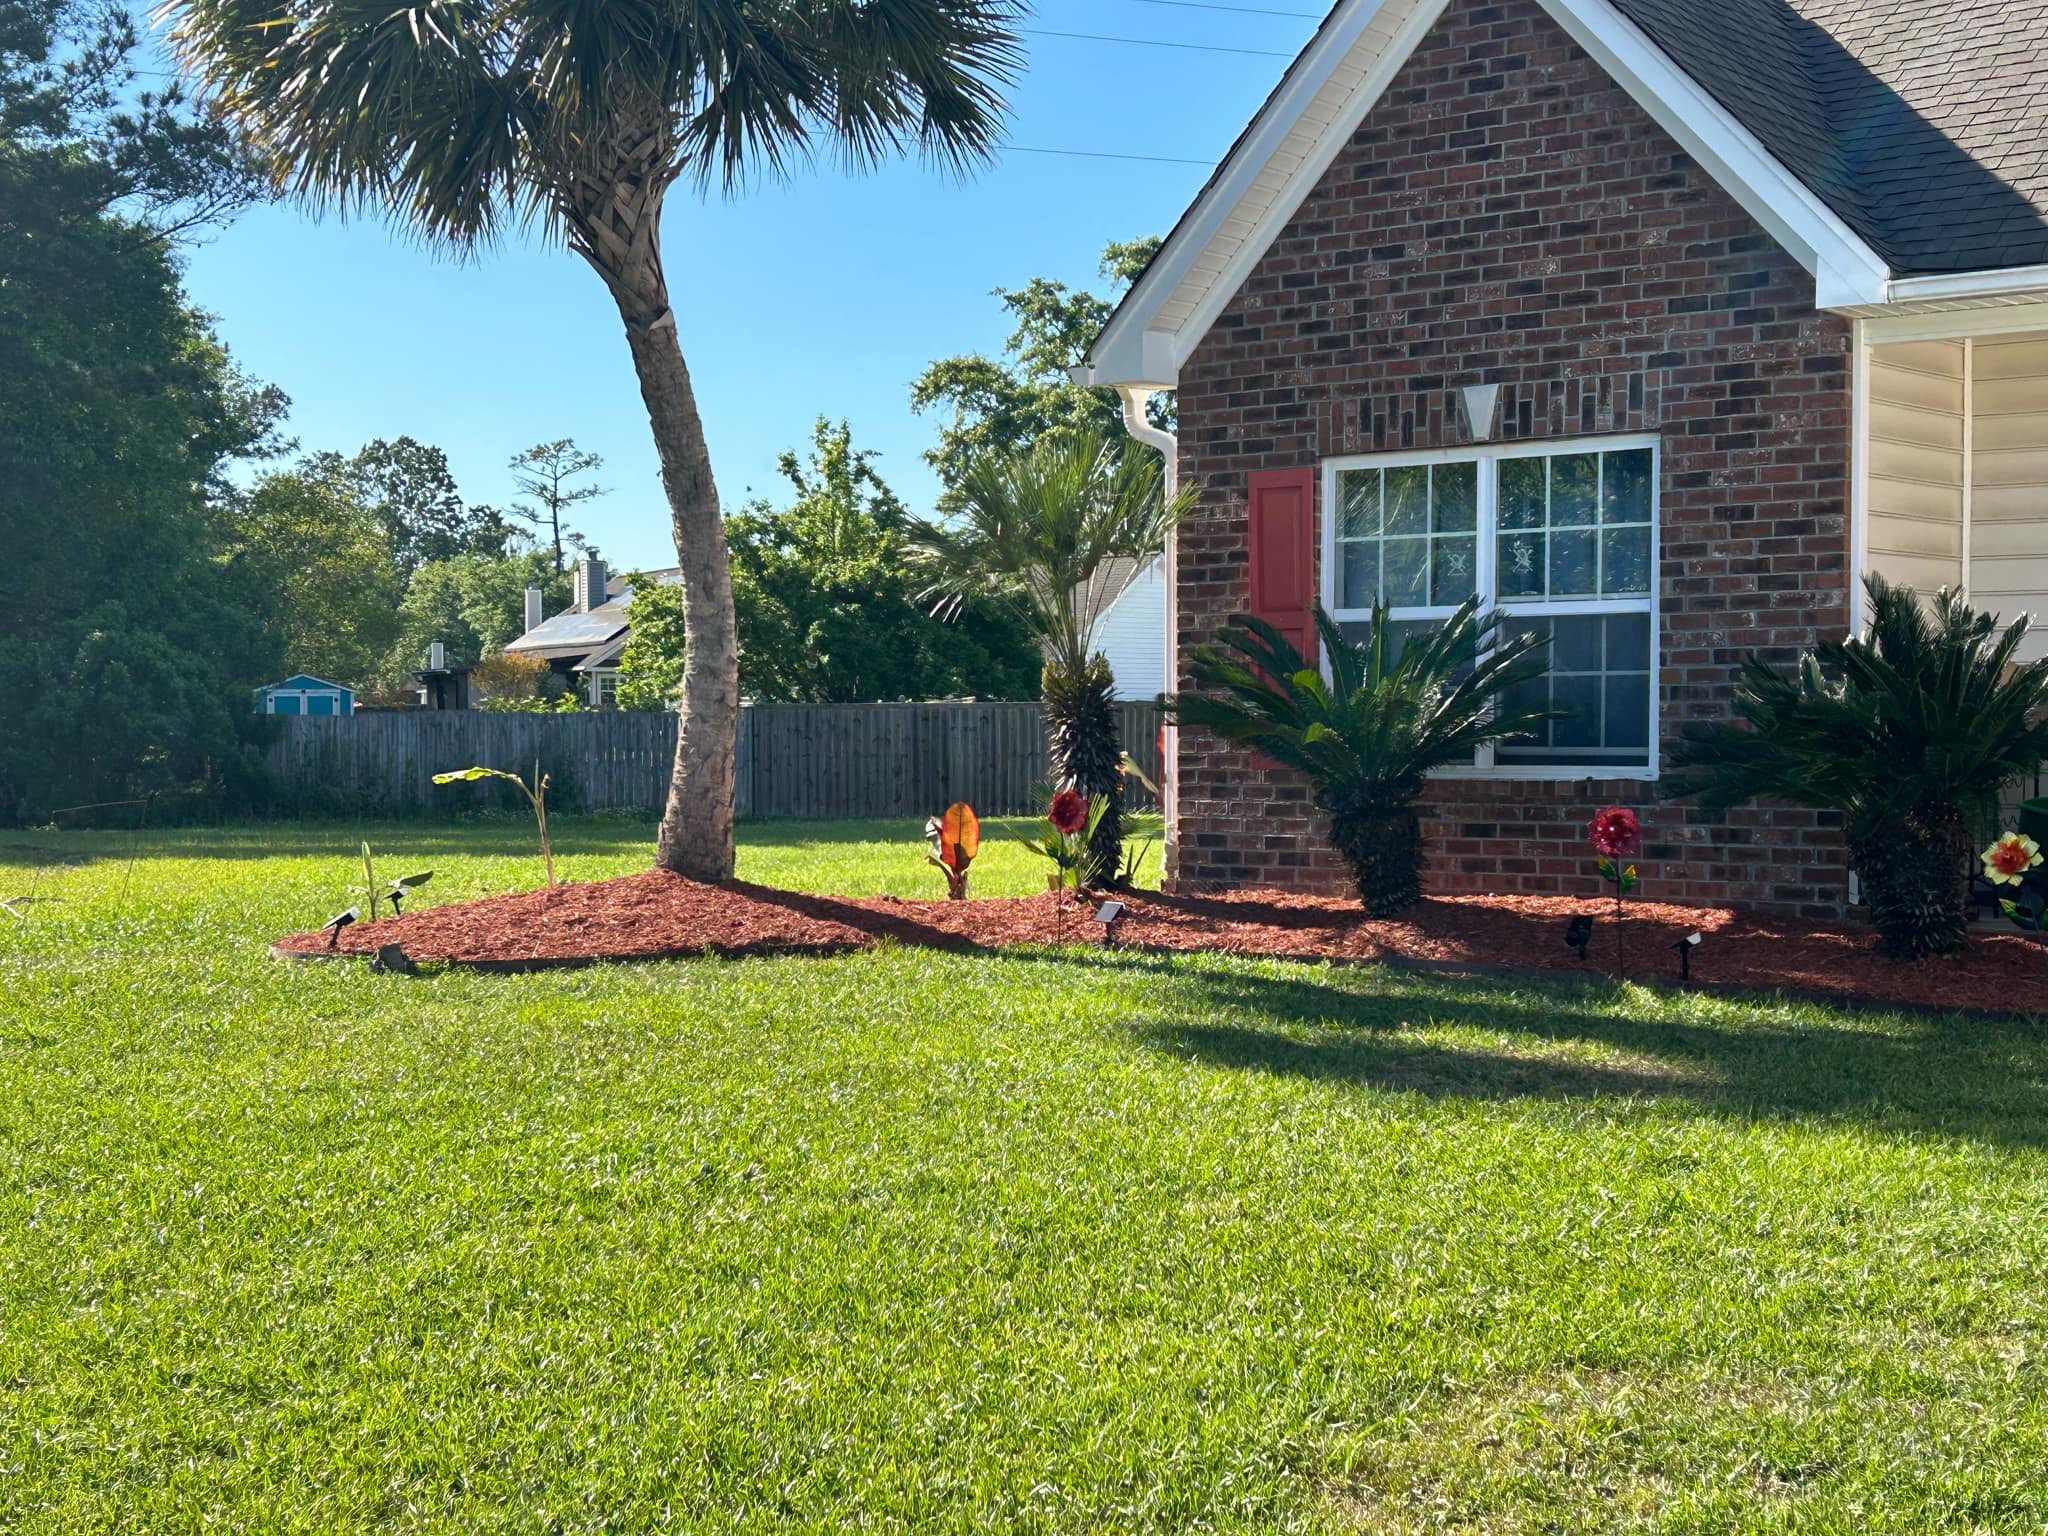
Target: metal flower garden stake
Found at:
955, 838
1616, 834
2015, 861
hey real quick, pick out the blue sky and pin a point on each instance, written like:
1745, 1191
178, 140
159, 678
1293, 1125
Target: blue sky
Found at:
825, 295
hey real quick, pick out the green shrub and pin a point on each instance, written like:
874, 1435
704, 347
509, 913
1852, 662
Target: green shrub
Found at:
1910, 731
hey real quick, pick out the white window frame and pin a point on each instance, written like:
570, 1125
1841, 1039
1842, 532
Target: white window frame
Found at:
1488, 457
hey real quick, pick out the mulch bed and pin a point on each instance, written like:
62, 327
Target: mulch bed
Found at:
657, 916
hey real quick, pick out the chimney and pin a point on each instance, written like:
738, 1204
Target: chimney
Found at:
533, 613
437, 657
589, 582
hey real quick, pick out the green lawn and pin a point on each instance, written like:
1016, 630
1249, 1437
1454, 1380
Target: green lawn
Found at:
910, 1241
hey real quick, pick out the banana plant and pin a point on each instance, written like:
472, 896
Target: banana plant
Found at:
536, 796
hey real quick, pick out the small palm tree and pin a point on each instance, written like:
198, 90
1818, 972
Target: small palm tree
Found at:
464, 117
1369, 736
1034, 531
1910, 732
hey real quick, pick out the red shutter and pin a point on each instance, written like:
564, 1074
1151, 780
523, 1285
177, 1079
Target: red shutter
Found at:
1281, 504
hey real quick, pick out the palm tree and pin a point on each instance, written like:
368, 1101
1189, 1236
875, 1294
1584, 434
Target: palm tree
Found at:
1034, 530
465, 117
1909, 732
1368, 737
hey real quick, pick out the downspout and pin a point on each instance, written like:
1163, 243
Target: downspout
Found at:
1135, 397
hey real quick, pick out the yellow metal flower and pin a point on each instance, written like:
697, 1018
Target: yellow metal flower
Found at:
2006, 860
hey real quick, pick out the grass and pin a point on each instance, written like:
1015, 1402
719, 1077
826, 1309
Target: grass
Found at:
910, 1241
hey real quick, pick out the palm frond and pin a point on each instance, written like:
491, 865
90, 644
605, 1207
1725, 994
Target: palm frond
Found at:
1386, 716
1928, 712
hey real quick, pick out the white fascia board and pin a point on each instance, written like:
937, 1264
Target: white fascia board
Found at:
1129, 351
1845, 270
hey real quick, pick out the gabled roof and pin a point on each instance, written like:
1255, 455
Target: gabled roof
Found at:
1922, 123
574, 632
1873, 139
303, 680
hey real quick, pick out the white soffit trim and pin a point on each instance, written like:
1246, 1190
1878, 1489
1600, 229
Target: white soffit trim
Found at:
1331, 89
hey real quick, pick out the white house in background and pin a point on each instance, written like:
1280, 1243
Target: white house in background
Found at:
583, 641
1130, 629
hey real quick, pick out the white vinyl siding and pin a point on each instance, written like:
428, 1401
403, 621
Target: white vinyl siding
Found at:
1958, 480
1916, 464
1131, 634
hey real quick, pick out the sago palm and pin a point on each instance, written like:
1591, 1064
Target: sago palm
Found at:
1368, 737
1910, 731
1034, 530
462, 118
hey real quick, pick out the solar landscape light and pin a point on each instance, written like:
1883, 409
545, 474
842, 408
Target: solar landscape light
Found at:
333, 926
1685, 947
404, 886
1109, 914
1578, 933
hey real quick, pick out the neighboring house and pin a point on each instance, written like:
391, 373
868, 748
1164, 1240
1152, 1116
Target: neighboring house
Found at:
1657, 322
582, 643
304, 694
1130, 625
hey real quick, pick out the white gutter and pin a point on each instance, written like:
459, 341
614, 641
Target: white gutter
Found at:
1135, 397
1993, 283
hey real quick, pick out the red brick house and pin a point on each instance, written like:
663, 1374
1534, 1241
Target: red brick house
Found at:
1656, 322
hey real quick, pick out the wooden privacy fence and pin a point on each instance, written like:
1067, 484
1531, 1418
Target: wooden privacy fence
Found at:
809, 760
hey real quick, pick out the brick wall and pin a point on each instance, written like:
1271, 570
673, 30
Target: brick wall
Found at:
1508, 215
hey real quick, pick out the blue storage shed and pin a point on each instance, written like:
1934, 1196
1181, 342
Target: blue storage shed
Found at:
304, 694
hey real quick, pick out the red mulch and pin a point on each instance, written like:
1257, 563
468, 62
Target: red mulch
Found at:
657, 916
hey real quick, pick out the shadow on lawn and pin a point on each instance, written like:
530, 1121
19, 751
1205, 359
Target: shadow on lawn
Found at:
1984, 1080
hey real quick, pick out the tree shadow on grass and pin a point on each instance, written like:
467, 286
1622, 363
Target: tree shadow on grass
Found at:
1984, 1080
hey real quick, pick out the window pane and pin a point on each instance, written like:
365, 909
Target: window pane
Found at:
1358, 498
1521, 493
1451, 570
1455, 497
1407, 505
1579, 697
1624, 560
1574, 488
1628, 710
1626, 496
1575, 644
1520, 557
1406, 582
1359, 579
1628, 642
1571, 564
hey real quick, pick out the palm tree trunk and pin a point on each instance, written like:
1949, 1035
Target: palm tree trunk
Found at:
617, 229
1087, 753
696, 825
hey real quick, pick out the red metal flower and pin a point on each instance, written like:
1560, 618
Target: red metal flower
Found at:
1069, 812
1615, 832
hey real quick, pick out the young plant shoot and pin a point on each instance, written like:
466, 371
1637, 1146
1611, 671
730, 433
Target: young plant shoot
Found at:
536, 796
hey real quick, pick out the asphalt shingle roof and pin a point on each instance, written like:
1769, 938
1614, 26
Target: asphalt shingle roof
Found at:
1922, 123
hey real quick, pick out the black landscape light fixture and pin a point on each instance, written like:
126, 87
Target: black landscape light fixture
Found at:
333, 926
1685, 947
1109, 914
1578, 933
404, 886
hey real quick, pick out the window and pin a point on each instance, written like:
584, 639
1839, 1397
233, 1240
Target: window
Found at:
1563, 537
604, 690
